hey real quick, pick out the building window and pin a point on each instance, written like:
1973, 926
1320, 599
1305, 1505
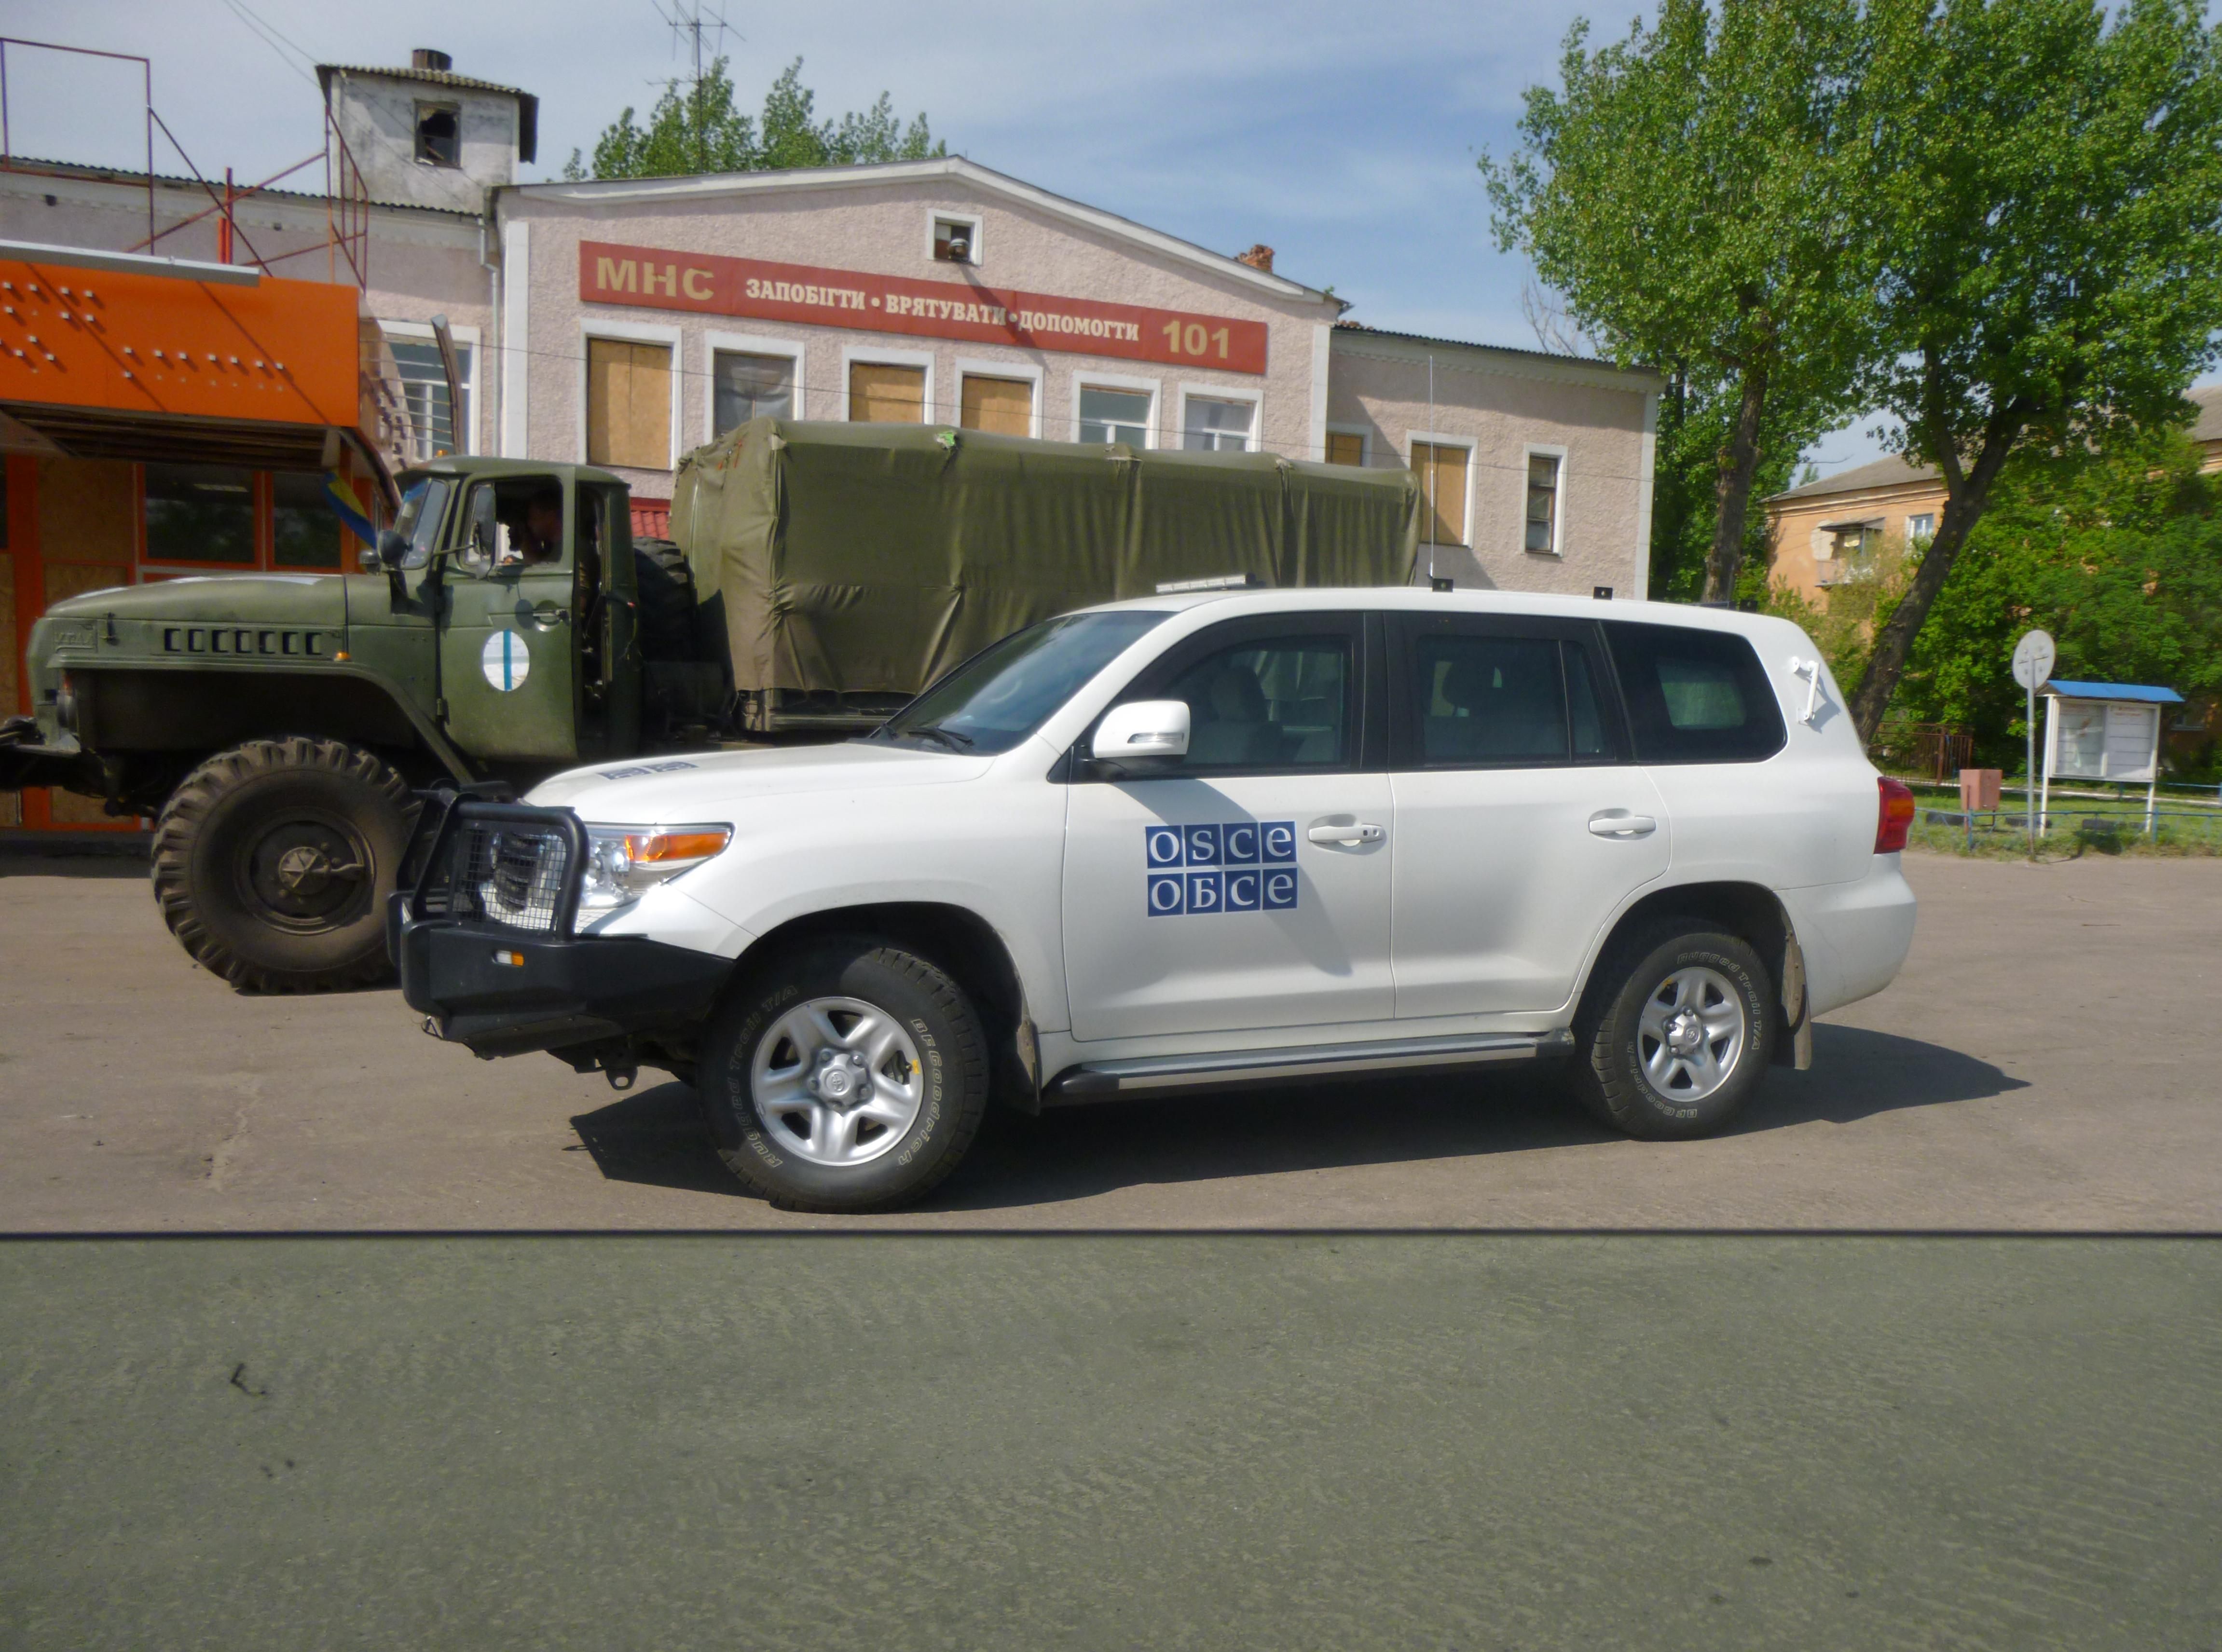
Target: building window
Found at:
1923, 527
1543, 475
1345, 447
434, 429
1441, 469
1212, 425
750, 387
200, 513
880, 393
440, 134
304, 530
629, 404
956, 241
1109, 416
1002, 406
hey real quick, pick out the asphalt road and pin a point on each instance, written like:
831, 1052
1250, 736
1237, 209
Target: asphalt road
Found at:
2047, 1061
1127, 1441
1303, 1435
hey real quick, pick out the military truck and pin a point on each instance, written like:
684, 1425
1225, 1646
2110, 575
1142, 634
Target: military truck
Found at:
507, 626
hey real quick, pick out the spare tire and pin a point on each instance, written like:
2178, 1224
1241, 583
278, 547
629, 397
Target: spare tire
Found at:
666, 588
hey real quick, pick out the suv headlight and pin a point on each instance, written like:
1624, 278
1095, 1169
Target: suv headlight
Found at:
625, 862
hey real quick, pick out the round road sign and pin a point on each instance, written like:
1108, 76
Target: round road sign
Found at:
2033, 659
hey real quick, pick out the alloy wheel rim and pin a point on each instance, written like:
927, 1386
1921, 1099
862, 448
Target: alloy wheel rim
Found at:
1692, 1034
837, 1082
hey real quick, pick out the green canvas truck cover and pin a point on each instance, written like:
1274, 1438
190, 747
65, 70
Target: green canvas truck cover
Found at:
871, 557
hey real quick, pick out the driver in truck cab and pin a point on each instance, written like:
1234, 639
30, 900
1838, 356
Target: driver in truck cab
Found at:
538, 536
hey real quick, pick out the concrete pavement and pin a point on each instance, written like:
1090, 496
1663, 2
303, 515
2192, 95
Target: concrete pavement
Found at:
2047, 1062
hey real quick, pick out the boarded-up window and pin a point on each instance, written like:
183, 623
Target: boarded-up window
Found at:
1441, 470
882, 394
1345, 447
629, 404
1542, 503
1005, 406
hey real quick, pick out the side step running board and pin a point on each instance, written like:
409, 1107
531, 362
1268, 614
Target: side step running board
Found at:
1160, 1074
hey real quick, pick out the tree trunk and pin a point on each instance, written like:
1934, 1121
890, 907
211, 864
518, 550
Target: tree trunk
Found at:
1893, 644
1739, 463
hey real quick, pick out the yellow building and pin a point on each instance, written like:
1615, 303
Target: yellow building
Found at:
1831, 532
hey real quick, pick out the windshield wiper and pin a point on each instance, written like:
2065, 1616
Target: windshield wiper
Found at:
949, 737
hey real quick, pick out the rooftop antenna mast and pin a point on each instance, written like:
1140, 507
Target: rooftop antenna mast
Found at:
689, 20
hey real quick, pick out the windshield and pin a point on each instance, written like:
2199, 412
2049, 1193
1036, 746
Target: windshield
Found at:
423, 505
1007, 690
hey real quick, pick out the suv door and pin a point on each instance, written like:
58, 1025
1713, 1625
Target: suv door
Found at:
1247, 886
1522, 827
509, 648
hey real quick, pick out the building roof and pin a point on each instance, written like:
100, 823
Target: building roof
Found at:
1895, 470
2141, 691
528, 105
698, 185
1366, 330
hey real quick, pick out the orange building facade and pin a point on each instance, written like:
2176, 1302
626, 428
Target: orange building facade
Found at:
162, 419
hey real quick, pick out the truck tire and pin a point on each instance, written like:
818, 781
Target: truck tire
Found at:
1681, 1035
848, 1076
272, 862
666, 588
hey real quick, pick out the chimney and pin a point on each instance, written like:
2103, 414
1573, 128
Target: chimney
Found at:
1259, 257
425, 58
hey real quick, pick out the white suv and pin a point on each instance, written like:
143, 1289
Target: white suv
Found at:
1174, 845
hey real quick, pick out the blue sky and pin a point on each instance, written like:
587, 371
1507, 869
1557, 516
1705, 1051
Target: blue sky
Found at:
1343, 136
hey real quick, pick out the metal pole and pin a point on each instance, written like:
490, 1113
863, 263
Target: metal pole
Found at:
2029, 799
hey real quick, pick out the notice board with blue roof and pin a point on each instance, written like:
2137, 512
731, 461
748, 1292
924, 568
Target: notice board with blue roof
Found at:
2103, 731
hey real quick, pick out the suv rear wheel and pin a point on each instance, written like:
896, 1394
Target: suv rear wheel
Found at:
272, 861
848, 1076
1682, 1035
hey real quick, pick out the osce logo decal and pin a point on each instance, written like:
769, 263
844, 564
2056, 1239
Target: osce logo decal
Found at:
1245, 865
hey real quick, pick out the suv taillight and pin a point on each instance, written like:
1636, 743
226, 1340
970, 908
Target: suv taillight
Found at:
1894, 814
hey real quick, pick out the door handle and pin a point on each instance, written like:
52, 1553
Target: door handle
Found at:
1618, 823
1357, 832
547, 615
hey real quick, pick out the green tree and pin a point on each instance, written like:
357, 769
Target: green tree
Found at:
2043, 194
2117, 553
1686, 189
698, 129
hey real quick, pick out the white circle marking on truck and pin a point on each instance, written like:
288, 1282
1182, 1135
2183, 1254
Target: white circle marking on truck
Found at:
506, 660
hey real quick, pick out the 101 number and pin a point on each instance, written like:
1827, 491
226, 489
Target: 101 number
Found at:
1191, 339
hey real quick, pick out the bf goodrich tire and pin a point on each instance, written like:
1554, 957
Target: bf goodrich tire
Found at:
848, 1076
1682, 1037
272, 862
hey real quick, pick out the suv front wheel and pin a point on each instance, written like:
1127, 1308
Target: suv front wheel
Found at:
848, 1076
1680, 1037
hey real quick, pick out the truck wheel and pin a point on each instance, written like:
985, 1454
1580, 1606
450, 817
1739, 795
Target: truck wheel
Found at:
1683, 1039
272, 862
849, 1076
666, 588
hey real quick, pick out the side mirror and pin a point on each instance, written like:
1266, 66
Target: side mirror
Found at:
1142, 729
392, 548
476, 557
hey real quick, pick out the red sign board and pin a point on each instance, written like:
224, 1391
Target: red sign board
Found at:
656, 278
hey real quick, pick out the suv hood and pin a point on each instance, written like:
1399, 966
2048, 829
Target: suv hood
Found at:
672, 790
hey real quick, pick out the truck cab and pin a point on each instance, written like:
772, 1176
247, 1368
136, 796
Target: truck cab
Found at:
277, 726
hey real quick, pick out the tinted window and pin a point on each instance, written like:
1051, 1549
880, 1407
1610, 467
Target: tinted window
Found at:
1277, 703
1489, 699
199, 513
1007, 690
1695, 696
1584, 708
